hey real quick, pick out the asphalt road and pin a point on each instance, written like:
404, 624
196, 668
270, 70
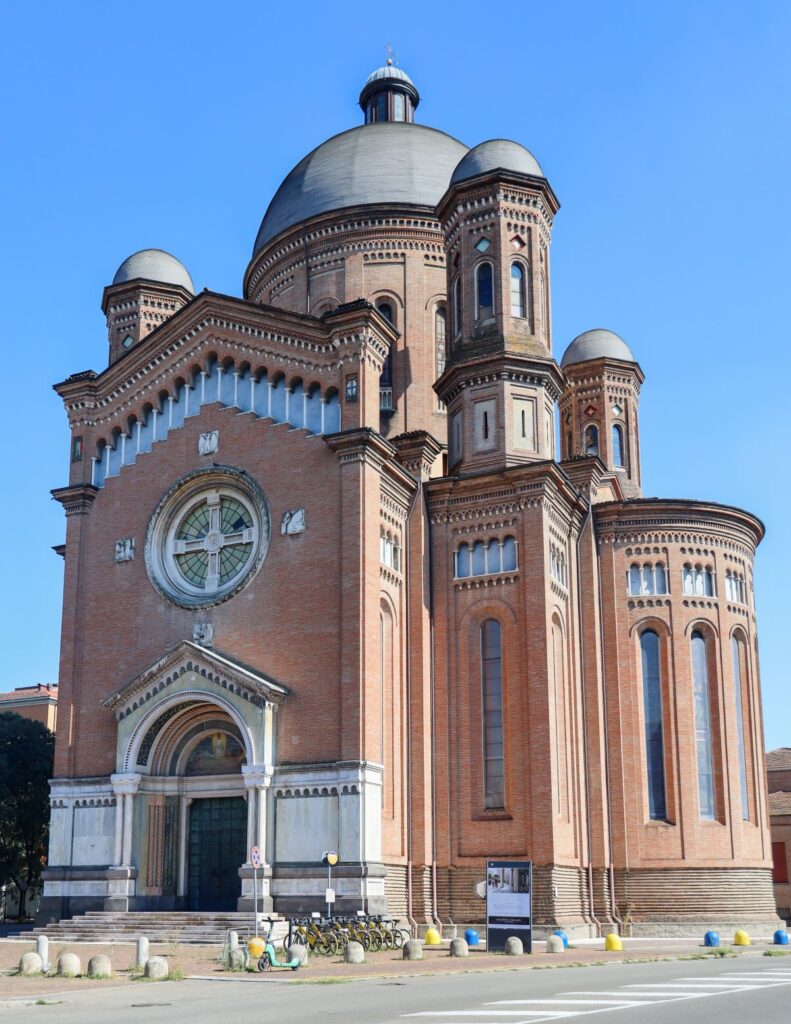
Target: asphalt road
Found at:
728, 991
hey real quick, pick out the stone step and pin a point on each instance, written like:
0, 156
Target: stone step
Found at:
189, 927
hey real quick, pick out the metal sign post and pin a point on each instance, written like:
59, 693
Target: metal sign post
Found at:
330, 858
255, 859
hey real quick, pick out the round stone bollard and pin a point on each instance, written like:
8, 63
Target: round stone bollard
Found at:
30, 963
42, 948
563, 936
513, 946
297, 952
555, 944
459, 947
741, 938
711, 939
237, 959
413, 950
433, 937
69, 965
472, 937
780, 937
612, 943
354, 953
157, 968
141, 953
233, 941
99, 966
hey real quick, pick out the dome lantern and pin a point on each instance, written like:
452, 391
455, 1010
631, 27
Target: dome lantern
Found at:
389, 94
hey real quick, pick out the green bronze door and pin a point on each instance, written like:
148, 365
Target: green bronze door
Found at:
217, 839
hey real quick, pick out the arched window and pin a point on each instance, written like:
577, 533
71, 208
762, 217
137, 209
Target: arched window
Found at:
660, 575
635, 579
440, 321
509, 554
386, 376
654, 736
560, 720
739, 657
703, 738
617, 445
492, 703
457, 307
591, 440
463, 562
518, 290
478, 563
484, 292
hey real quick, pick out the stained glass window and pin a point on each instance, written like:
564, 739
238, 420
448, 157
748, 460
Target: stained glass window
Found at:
214, 541
654, 740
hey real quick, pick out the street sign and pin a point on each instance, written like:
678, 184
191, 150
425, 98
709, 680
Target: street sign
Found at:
329, 895
255, 857
509, 885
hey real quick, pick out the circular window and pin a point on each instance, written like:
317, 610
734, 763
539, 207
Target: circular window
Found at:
208, 536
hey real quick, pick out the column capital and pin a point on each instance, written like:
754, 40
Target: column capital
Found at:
257, 775
126, 783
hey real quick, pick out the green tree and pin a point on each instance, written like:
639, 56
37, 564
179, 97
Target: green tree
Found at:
26, 756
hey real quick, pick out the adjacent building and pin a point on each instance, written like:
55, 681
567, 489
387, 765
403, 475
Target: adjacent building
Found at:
355, 562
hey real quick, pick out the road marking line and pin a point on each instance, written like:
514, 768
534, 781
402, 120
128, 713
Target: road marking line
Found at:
486, 1013
624, 1001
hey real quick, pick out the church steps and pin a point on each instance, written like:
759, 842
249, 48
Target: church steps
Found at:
188, 927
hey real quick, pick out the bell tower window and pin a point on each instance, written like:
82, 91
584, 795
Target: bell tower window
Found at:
484, 292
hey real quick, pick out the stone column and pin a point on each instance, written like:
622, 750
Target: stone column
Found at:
119, 828
125, 787
257, 779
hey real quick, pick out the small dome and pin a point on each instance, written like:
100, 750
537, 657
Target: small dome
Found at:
495, 155
597, 344
389, 71
154, 265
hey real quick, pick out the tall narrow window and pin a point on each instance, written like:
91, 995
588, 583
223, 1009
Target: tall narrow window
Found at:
440, 319
386, 376
592, 440
456, 307
739, 678
560, 728
700, 693
617, 445
654, 739
518, 297
484, 292
492, 701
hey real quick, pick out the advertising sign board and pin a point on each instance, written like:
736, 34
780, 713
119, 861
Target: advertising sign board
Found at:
509, 891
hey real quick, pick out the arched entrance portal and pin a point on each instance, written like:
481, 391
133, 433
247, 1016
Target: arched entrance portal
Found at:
194, 807
196, 749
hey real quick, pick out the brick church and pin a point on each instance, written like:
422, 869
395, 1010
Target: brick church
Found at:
355, 562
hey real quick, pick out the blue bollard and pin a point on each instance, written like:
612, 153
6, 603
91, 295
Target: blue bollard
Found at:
711, 939
563, 936
780, 937
471, 937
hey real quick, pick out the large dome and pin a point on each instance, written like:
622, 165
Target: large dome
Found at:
597, 344
389, 163
154, 265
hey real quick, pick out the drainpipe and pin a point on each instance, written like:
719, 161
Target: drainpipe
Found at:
610, 868
591, 910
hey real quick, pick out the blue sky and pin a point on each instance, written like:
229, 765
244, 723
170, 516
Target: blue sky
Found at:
663, 127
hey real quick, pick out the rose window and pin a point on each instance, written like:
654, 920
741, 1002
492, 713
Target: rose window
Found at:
206, 537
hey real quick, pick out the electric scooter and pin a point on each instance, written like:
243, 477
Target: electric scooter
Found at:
269, 956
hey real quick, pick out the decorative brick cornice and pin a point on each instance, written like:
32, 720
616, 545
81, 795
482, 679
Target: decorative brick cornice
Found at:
678, 520
77, 499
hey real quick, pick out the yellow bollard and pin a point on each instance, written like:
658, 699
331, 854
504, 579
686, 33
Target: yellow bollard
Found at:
433, 937
741, 938
612, 943
256, 947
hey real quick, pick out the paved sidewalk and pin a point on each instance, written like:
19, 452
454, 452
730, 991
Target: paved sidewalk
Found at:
203, 962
